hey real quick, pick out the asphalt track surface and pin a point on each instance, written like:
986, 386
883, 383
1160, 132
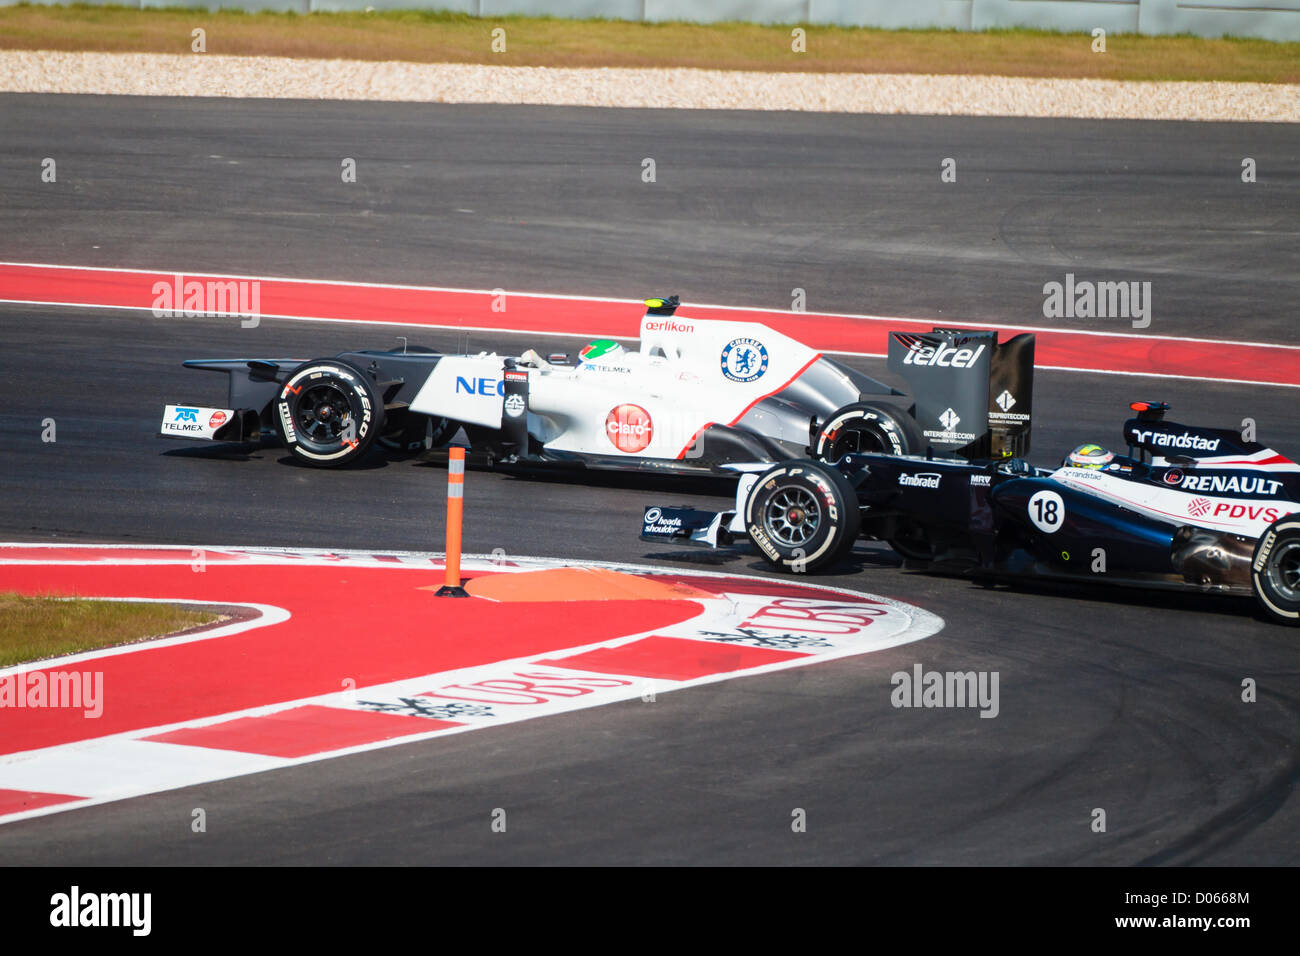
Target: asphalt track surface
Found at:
1128, 702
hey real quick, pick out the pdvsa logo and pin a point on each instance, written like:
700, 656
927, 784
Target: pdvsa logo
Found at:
629, 428
744, 360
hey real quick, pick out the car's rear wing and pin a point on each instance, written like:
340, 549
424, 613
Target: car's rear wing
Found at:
974, 395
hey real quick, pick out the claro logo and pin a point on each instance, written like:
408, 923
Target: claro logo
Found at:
629, 428
944, 356
1182, 440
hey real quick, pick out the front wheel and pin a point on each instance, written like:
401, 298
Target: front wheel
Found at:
802, 516
1275, 570
328, 413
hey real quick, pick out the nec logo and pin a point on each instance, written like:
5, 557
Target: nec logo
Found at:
944, 356
480, 386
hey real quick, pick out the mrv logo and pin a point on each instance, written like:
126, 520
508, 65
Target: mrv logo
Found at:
942, 356
1099, 300
1182, 441
946, 689
103, 909
192, 298
930, 480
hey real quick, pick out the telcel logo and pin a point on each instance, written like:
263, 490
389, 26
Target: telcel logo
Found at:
945, 356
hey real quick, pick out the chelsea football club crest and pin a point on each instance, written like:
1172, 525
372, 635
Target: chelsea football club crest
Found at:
744, 360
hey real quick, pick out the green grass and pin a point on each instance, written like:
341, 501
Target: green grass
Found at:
437, 37
34, 628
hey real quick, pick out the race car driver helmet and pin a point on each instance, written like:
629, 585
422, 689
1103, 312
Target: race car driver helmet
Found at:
1089, 456
602, 352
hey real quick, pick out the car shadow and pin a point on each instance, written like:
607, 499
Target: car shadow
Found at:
223, 451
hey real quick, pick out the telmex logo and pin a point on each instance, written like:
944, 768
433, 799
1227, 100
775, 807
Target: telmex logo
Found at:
480, 386
1171, 440
186, 415
629, 428
930, 480
944, 356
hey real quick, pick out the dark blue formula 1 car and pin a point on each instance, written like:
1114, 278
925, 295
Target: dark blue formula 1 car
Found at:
1192, 508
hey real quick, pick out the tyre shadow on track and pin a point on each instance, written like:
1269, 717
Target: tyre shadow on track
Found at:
255, 451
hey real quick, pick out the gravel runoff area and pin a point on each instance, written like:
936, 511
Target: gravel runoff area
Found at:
157, 74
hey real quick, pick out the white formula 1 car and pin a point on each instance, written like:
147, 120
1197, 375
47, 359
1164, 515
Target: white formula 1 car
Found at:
696, 396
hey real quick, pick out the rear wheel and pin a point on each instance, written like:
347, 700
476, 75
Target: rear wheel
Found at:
1275, 570
867, 427
328, 413
802, 516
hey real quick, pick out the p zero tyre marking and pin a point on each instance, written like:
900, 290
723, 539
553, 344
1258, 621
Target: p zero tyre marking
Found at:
315, 381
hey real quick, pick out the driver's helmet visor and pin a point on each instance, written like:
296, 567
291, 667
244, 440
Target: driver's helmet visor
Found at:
601, 350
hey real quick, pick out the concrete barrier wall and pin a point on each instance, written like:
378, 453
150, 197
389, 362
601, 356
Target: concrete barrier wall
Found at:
1267, 19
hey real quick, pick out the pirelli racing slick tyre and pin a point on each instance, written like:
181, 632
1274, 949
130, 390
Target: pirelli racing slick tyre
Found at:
802, 516
1275, 570
867, 427
328, 413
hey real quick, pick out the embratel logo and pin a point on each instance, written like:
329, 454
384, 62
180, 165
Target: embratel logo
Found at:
929, 480
629, 428
744, 360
